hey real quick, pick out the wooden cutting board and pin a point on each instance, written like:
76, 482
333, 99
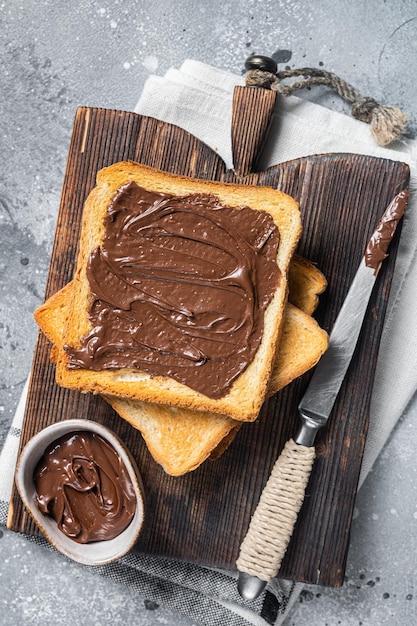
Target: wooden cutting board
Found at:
202, 517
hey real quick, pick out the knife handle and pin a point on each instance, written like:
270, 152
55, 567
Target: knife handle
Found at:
273, 521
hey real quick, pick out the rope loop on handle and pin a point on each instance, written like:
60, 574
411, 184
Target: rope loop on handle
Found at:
387, 123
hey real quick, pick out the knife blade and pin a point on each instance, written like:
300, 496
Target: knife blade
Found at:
273, 521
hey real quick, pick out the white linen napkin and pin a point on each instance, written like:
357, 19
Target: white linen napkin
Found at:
198, 98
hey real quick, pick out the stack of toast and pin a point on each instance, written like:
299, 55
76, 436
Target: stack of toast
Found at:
182, 427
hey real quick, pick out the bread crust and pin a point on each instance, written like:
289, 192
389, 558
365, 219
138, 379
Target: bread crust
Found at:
246, 395
306, 282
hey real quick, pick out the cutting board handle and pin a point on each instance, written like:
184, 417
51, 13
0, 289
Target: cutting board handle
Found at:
252, 112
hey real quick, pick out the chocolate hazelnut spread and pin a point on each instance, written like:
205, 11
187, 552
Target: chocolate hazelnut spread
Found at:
377, 247
83, 484
179, 288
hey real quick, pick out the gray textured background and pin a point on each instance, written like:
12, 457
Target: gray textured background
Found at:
57, 55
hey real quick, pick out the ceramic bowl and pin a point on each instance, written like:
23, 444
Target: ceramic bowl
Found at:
99, 552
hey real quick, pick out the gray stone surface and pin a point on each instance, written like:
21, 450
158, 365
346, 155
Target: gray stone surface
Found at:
57, 55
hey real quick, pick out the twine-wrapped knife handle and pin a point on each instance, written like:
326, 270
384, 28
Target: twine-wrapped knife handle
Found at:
273, 522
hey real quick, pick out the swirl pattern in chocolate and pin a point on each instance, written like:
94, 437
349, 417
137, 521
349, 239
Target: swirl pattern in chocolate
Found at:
179, 288
84, 485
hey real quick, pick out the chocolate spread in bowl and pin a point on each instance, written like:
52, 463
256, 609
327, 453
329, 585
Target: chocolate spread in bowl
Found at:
179, 288
82, 482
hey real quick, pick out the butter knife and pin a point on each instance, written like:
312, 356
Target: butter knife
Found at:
273, 521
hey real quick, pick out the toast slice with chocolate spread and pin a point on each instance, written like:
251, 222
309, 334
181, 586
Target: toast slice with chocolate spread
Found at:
180, 440
193, 275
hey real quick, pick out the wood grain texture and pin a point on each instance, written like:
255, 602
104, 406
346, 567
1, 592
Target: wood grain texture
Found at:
251, 119
202, 517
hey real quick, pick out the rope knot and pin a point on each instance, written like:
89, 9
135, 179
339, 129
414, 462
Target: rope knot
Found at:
387, 123
260, 78
362, 108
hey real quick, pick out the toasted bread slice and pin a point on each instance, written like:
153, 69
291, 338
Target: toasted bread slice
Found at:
243, 400
180, 439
